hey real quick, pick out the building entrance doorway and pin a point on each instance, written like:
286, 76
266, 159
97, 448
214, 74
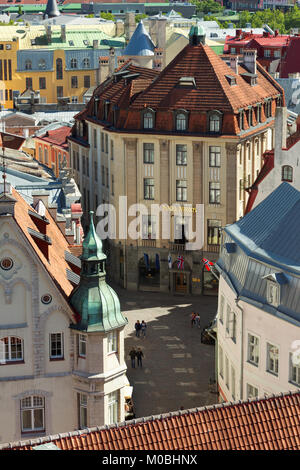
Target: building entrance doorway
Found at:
180, 283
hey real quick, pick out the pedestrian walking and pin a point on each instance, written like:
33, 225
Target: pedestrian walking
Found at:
137, 327
193, 321
143, 328
133, 355
197, 320
139, 355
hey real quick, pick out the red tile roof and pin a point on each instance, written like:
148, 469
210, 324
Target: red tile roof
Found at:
271, 423
290, 63
58, 136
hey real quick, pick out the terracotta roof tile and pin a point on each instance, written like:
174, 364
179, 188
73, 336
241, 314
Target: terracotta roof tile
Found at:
252, 425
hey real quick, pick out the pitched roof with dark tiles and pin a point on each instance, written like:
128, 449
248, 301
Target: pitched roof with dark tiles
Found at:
270, 423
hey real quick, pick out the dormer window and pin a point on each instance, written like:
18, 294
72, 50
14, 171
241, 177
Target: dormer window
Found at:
215, 122
242, 120
148, 119
42, 64
273, 293
106, 109
95, 106
287, 173
181, 121
28, 64
86, 63
73, 63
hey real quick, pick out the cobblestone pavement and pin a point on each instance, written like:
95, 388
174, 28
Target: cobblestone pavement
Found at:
176, 365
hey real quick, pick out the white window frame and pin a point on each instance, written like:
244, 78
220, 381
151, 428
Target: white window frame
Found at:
112, 342
252, 392
273, 293
226, 371
83, 408
294, 372
253, 349
52, 340
113, 407
233, 382
6, 350
28, 404
272, 360
82, 345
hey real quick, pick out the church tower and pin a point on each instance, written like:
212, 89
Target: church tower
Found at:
99, 376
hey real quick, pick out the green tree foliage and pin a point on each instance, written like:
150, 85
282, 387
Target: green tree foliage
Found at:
276, 19
139, 17
207, 6
107, 16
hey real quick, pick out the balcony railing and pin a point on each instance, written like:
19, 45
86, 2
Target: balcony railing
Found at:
179, 247
213, 248
149, 243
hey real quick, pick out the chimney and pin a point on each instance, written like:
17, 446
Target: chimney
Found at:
40, 195
153, 30
280, 128
119, 28
158, 59
129, 25
63, 33
112, 60
7, 201
234, 64
53, 211
250, 60
95, 43
238, 33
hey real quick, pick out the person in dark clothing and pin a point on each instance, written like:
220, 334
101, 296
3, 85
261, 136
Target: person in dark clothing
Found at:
137, 327
133, 355
139, 355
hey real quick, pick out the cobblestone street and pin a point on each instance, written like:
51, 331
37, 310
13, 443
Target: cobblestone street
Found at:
176, 365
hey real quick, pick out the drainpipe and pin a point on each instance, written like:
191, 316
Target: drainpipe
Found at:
242, 348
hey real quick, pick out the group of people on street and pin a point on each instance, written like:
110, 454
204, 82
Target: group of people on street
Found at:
136, 354
140, 328
195, 320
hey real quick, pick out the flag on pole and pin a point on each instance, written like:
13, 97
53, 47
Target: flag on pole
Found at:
207, 264
157, 264
146, 258
170, 261
180, 262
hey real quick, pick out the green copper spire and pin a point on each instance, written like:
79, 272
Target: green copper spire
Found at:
95, 301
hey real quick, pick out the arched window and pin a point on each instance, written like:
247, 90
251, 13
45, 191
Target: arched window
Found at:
33, 413
181, 122
287, 173
11, 349
42, 64
86, 63
28, 64
148, 120
73, 63
59, 69
214, 123
45, 155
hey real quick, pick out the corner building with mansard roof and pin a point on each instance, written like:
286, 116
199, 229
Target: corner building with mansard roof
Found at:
193, 133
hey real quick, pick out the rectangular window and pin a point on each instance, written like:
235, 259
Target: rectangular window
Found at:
59, 91
112, 342
277, 53
214, 193
32, 414
149, 227
107, 178
82, 345
56, 346
106, 143
83, 164
272, 359
112, 149
250, 117
86, 81
252, 392
181, 154
95, 138
28, 81
181, 190
102, 142
233, 382
82, 410
148, 188
294, 370
103, 175
9, 69
267, 53
214, 156
221, 362
228, 312
233, 327
213, 232
11, 349
113, 407
227, 372
95, 170
74, 99
112, 185
253, 349
148, 153
74, 81
42, 83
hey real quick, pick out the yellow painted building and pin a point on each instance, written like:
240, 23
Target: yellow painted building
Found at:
59, 61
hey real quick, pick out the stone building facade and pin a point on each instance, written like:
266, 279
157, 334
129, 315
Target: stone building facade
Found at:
192, 135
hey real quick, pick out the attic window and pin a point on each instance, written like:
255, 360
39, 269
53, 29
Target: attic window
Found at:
187, 82
71, 43
85, 42
231, 80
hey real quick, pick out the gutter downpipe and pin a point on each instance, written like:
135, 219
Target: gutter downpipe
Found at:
242, 348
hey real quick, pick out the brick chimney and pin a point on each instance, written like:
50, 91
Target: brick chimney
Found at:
129, 25
234, 61
250, 60
112, 60
63, 33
